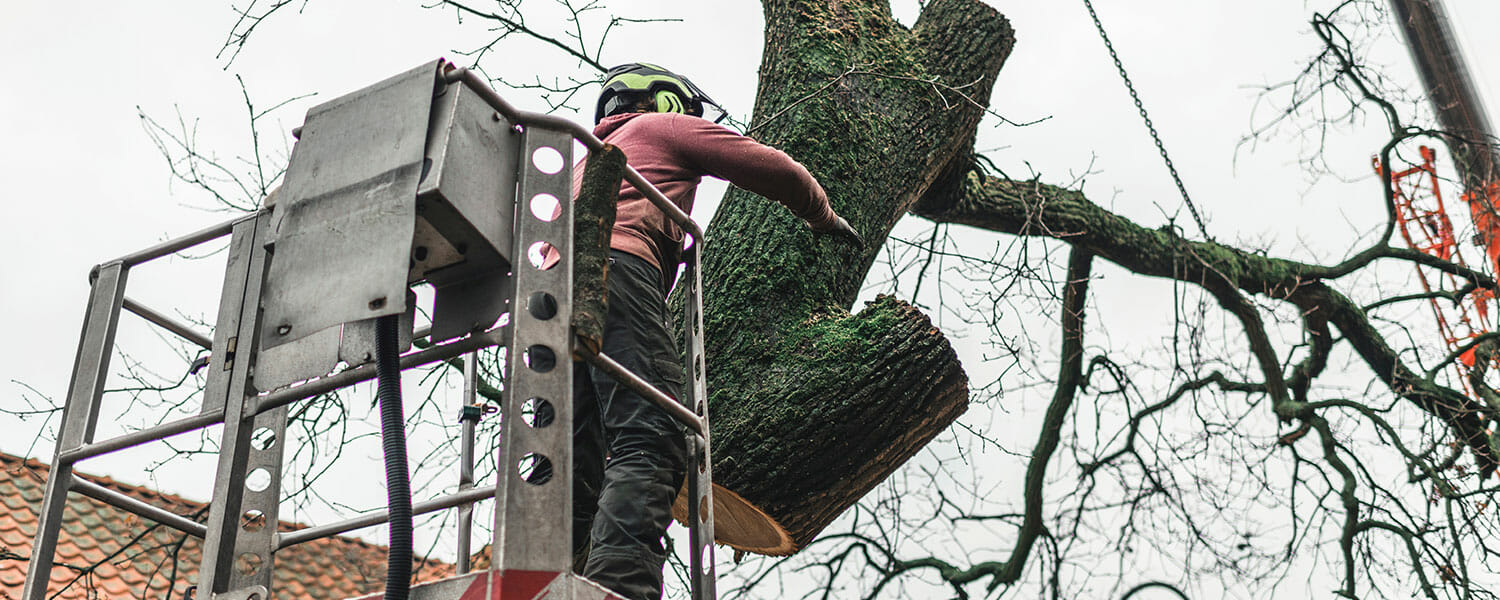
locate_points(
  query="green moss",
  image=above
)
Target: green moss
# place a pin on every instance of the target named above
(844, 92)
(815, 354)
(836, 331)
(849, 104)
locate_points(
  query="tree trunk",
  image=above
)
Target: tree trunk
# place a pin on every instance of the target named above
(811, 406)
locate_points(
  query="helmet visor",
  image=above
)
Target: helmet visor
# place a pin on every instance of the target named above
(711, 110)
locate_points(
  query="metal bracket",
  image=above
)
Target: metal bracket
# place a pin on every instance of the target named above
(250, 593)
(352, 181)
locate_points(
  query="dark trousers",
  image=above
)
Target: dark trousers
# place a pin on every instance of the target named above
(629, 455)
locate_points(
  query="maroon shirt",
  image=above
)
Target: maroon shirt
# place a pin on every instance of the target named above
(673, 152)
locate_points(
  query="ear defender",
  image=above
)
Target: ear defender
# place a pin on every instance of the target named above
(667, 101)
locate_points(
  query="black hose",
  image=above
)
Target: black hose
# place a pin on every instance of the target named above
(1155, 584)
(393, 442)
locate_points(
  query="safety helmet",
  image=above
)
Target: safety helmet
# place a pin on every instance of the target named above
(628, 84)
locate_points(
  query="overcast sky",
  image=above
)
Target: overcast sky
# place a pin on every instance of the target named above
(86, 184)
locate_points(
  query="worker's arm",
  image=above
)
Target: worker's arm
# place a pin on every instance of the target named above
(722, 153)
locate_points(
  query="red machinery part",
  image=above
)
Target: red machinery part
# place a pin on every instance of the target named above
(1423, 221)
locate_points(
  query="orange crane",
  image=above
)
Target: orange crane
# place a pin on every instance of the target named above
(1421, 216)
(1423, 222)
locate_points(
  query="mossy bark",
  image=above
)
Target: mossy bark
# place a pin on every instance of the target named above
(1035, 209)
(885, 117)
(811, 406)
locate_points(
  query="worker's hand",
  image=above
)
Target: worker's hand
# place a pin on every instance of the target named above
(842, 230)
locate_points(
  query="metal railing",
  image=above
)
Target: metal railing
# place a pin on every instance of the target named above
(230, 399)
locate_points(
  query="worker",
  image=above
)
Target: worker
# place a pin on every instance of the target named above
(622, 506)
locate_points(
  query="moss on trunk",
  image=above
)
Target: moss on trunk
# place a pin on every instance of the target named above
(857, 396)
(811, 406)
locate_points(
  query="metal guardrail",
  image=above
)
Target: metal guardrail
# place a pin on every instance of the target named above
(230, 400)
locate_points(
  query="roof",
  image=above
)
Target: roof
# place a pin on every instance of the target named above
(107, 553)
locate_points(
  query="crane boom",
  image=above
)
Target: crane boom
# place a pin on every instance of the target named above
(1418, 202)
(1445, 75)
(1455, 100)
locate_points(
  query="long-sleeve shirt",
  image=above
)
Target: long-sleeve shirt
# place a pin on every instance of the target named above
(673, 152)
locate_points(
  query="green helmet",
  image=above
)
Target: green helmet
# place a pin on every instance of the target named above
(629, 84)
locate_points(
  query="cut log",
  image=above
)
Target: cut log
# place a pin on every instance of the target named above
(847, 401)
(810, 407)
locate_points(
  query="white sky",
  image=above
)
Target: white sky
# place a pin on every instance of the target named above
(85, 183)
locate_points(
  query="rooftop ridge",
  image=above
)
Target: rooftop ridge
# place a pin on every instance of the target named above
(107, 552)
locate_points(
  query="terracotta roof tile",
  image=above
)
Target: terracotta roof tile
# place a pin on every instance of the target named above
(14, 502)
(74, 527)
(66, 552)
(22, 516)
(114, 587)
(14, 537)
(84, 542)
(327, 569)
(107, 572)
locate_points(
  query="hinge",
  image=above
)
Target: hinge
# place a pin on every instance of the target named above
(229, 352)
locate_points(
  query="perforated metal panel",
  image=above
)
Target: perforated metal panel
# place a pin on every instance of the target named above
(700, 464)
(536, 459)
(237, 550)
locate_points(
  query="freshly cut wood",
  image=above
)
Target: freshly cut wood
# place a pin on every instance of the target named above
(740, 525)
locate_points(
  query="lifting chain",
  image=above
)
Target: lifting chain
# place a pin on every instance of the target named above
(1155, 137)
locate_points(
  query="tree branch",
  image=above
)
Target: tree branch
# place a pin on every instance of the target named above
(1031, 208)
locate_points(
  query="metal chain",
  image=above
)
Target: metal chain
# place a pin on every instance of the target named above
(1155, 137)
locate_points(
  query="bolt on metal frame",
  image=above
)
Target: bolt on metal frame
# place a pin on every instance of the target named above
(240, 536)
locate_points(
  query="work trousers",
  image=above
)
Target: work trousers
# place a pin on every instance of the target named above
(629, 455)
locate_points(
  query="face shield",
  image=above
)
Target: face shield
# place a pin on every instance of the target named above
(711, 110)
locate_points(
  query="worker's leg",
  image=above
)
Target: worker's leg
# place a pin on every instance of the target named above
(647, 450)
(588, 460)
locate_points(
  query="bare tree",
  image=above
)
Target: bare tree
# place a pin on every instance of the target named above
(1298, 430)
